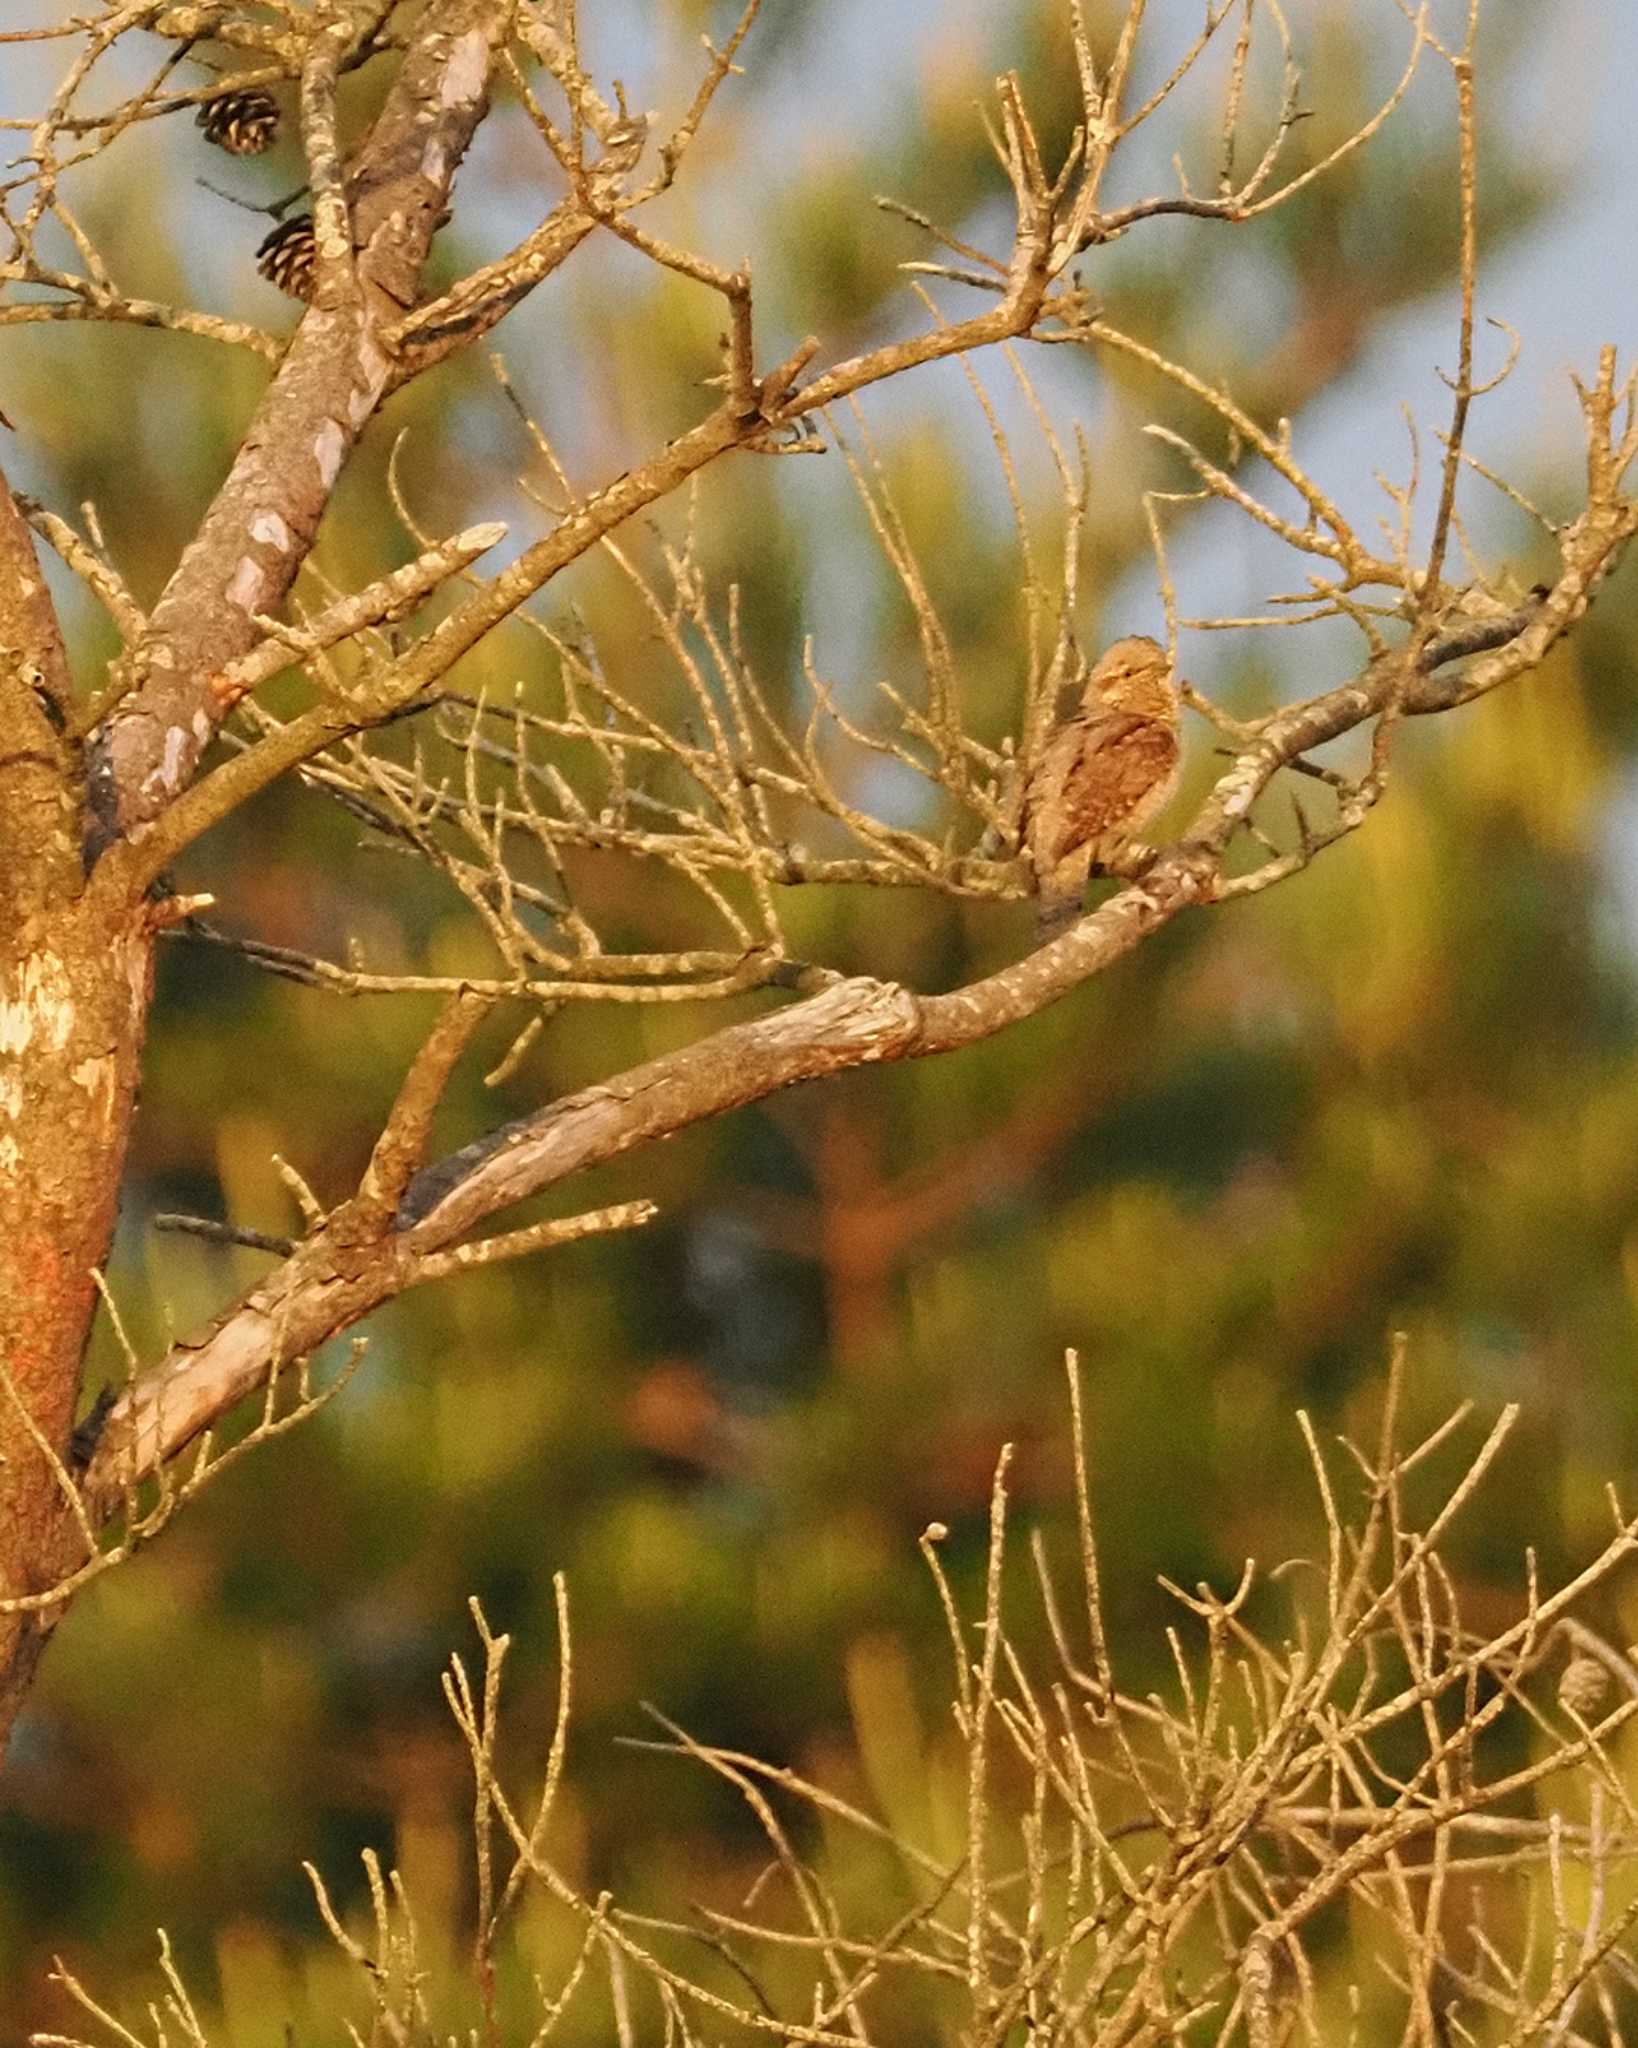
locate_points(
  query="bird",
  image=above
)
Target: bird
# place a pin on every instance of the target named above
(1105, 770)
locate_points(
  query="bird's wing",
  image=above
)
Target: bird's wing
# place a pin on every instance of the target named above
(1095, 777)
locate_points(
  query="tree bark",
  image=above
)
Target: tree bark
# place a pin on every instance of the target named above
(74, 991)
(75, 976)
(261, 523)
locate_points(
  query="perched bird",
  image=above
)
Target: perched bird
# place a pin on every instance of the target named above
(1103, 773)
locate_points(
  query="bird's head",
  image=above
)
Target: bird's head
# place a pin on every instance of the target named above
(1133, 675)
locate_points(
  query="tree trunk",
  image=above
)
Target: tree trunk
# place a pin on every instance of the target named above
(75, 976)
(73, 997)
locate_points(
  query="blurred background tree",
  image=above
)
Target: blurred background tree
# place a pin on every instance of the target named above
(1398, 1093)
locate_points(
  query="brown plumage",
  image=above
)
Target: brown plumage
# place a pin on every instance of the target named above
(1105, 771)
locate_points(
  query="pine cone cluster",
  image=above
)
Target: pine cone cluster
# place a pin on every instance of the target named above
(243, 123)
(287, 257)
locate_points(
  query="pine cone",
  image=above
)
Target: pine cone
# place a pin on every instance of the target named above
(244, 123)
(288, 255)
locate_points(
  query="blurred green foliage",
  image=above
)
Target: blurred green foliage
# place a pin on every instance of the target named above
(1399, 1093)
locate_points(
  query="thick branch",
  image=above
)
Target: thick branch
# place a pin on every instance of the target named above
(261, 523)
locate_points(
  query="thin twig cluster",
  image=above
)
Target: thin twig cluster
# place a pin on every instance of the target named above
(730, 795)
(1348, 1815)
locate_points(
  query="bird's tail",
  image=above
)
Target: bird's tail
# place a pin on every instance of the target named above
(1054, 914)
